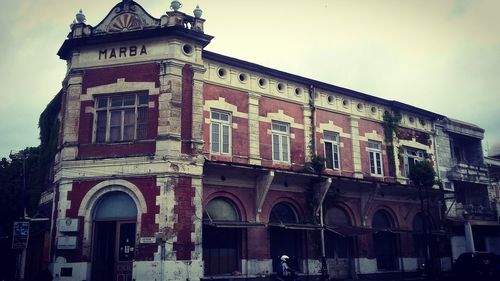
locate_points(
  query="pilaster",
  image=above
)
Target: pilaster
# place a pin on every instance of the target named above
(71, 115)
(356, 148)
(253, 129)
(308, 134)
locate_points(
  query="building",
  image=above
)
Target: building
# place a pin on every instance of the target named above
(176, 163)
(471, 195)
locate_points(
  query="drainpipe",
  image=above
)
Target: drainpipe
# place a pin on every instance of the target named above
(324, 268)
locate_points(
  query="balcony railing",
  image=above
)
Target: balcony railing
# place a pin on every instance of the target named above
(478, 212)
(469, 172)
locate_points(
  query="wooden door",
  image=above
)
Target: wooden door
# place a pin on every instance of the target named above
(125, 250)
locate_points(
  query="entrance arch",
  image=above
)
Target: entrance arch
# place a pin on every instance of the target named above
(221, 245)
(284, 241)
(384, 241)
(114, 219)
(337, 247)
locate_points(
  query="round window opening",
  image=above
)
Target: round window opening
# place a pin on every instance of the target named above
(422, 122)
(345, 103)
(281, 87)
(298, 91)
(243, 77)
(330, 99)
(359, 106)
(262, 82)
(222, 72)
(374, 109)
(188, 49)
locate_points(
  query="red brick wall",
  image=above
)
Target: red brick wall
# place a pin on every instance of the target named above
(234, 97)
(104, 76)
(184, 210)
(149, 190)
(240, 135)
(297, 145)
(148, 72)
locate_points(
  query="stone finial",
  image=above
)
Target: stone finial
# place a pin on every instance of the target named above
(197, 12)
(175, 5)
(80, 17)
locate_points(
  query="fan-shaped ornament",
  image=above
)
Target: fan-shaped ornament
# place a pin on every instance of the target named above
(125, 22)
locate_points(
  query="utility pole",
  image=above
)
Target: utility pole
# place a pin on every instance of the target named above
(21, 265)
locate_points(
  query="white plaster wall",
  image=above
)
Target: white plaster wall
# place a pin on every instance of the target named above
(81, 271)
(446, 264)
(365, 265)
(457, 246)
(313, 265)
(172, 270)
(409, 264)
(256, 266)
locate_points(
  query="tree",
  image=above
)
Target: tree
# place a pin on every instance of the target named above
(423, 174)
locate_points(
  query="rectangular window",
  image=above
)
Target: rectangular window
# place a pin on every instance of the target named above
(332, 150)
(410, 157)
(375, 155)
(281, 141)
(121, 117)
(220, 132)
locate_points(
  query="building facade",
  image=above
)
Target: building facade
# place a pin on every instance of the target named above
(176, 163)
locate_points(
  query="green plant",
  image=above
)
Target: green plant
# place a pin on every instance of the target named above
(423, 174)
(391, 125)
(316, 165)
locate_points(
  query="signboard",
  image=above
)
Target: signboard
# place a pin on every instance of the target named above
(20, 235)
(147, 240)
(66, 242)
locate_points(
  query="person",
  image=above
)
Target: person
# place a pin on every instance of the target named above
(286, 271)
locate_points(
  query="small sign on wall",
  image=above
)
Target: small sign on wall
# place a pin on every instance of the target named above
(68, 225)
(66, 242)
(147, 240)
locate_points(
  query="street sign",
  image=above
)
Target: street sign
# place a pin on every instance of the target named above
(20, 235)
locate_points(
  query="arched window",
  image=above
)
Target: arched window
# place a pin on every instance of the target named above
(115, 205)
(282, 213)
(337, 216)
(220, 209)
(284, 241)
(384, 242)
(382, 220)
(221, 250)
(336, 246)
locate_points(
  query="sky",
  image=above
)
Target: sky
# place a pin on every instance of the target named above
(442, 56)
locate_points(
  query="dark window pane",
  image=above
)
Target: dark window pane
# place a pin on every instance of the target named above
(102, 102)
(143, 99)
(328, 155)
(116, 101)
(129, 100)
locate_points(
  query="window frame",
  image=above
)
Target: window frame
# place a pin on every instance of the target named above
(417, 157)
(335, 142)
(109, 109)
(375, 151)
(221, 123)
(281, 135)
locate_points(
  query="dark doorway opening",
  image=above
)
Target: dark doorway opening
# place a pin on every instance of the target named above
(384, 241)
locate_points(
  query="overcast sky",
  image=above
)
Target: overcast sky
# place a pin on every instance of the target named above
(443, 56)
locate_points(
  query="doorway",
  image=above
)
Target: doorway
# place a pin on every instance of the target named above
(114, 237)
(337, 247)
(284, 241)
(384, 241)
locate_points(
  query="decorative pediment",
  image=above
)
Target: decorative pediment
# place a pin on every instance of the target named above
(126, 16)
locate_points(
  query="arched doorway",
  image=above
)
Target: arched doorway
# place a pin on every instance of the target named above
(384, 241)
(221, 245)
(337, 247)
(284, 241)
(113, 241)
